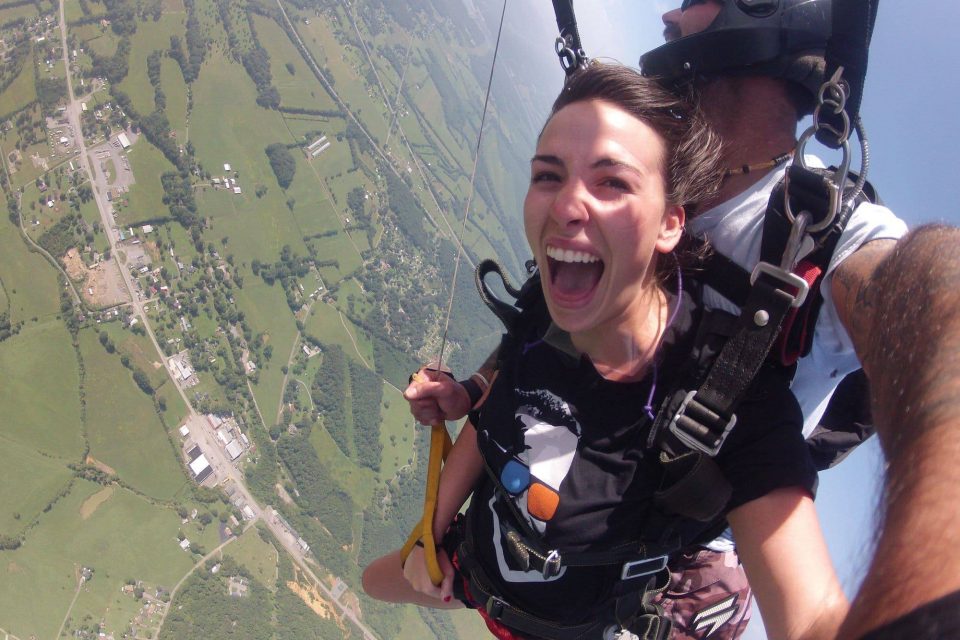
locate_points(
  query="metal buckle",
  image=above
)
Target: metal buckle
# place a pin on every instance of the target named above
(690, 440)
(791, 279)
(551, 565)
(645, 567)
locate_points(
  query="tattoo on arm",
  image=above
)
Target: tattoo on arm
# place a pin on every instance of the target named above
(911, 339)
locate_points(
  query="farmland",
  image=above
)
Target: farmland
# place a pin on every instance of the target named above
(273, 183)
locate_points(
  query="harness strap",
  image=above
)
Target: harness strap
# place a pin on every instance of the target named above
(633, 611)
(706, 415)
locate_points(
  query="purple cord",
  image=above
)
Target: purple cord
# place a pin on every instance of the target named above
(676, 309)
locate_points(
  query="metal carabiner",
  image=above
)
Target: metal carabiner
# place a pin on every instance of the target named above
(837, 180)
(568, 57)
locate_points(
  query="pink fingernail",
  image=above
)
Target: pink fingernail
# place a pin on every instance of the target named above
(446, 598)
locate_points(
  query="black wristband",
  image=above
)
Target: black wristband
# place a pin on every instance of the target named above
(474, 392)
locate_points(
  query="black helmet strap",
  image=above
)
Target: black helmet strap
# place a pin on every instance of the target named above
(848, 47)
(568, 46)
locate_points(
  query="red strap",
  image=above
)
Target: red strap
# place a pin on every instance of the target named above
(790, 348)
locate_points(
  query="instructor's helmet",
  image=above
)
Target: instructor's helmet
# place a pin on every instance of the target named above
(779, 38)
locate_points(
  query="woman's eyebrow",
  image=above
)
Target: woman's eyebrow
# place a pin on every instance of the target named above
(554, 160)
(619, 164)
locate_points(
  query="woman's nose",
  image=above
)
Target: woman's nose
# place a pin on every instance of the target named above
(570, 207)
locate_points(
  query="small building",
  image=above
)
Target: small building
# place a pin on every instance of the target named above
(185, 544)
(123, 140)
(184, 431)
(248, 512)
(226, 166)
(234, 449)
(147, 228)
(199, 465)
(236, 190)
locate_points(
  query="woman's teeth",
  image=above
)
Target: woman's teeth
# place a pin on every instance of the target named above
(568, 255)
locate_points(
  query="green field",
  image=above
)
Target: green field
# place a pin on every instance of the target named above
(27, 11)
(300, 89)
(36, 365)
(125, 537)
(150, 36)
(325, 324)
(124, 430)
(396, 432)
(145, 196)
(28, 481)
(101, 40)
(171, 81)
(21, 91)
(266, 310)
(30, 281)
(256, 555)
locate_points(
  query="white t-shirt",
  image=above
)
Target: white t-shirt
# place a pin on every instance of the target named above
(734, 228)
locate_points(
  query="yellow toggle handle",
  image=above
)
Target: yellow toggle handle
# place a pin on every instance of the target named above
(440, 445)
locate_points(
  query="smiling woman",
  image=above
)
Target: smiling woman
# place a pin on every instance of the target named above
(568, 533)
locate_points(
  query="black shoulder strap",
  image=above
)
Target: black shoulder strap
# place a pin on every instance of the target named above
(701, 418)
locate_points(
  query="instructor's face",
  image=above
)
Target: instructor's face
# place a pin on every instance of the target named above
(692, 17)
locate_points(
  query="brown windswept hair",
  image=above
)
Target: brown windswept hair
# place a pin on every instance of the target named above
(692, 150)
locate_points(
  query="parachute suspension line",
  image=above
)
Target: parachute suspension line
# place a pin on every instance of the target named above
(440, 442)
(470, 192)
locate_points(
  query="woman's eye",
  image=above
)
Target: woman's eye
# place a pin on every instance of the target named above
(544, 176)
(615, 183)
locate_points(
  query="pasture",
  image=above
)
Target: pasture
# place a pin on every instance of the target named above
(150, 36)
(124, 537)
(26, 11)
(22, 91)
(122, 427)
(259, 557)
(266, 310)
(358, 481)
(101, 40)
(396, 432)
(36, 365)
(29, 480)
(171, 81)
(30, 281)
(145, 198)
(325, 324)
(300, 88)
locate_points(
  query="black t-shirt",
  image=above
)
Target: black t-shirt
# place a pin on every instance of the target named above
(570, 448)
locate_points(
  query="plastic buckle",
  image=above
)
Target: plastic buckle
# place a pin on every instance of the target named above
(551, 565)
(785, 277)
(641, 568)
(495, 607)
(690, 439)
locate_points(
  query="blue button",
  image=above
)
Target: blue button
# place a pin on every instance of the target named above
(515, 477)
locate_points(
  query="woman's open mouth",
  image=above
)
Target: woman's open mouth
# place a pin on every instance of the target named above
(573, 275)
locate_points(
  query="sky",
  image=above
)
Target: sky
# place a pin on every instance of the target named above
(912, 90)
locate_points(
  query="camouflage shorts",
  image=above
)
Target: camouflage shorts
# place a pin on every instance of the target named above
(708, 596)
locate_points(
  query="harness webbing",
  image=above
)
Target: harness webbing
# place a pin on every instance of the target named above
(848, 47)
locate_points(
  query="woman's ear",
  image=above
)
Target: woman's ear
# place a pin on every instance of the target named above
(671, 228)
